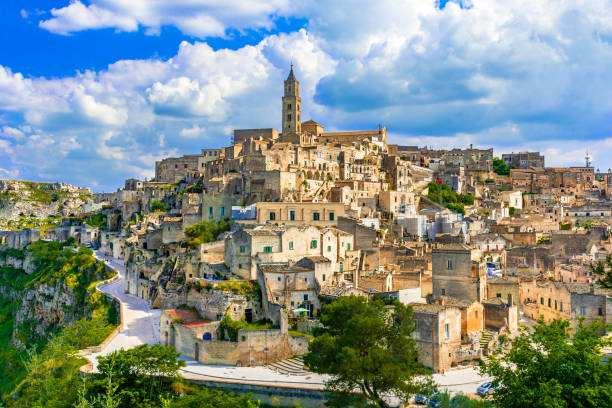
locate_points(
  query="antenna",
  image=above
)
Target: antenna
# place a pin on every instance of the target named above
(588, 158)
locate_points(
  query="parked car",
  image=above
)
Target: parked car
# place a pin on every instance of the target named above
(486, 388)
(420, 399)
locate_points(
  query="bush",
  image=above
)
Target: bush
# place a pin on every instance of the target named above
(206, 231)
(158, 206)
(500, 167)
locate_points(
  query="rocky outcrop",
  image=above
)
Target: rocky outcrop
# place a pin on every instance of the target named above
(19, 199)
(46, 307)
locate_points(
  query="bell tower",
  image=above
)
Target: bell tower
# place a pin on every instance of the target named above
(292, 109)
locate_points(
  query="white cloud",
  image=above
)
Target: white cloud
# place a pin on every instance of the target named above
(193, 132)
(513, 74)
(199, 18)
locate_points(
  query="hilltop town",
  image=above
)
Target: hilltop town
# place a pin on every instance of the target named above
(240, 246)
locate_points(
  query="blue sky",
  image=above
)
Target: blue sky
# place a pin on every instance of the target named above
(93, 92)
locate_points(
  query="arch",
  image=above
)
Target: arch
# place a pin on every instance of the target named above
(207, 336)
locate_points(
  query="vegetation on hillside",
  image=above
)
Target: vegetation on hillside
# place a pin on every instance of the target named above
(206, 231)
(367, 346)
(543, 368)
(442, 193)
(56, 265)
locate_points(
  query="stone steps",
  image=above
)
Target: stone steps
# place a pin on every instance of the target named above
(487, 335)
(291, 366)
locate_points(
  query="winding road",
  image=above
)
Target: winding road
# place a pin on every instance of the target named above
(141, 326)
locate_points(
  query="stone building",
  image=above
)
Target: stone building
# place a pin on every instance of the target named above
(438, 334)
(456, 274)
(309, 213)
(245, 248)
(201, 340)
(524, 160)
(293, 285)
(173, 169)
(554, 300)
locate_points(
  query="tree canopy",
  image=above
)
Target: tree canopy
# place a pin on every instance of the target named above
(206, 231)
(367, 346)
(603, 269)
(543, 368)
(500, 167)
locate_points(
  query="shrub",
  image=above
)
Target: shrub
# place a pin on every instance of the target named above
(158, 206)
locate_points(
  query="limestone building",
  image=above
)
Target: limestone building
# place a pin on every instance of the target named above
(455, 274)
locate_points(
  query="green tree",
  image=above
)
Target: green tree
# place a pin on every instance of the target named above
(141, 375)
(603, 269)
(467, 199)
(158, 206)
(542, 368)
(367, 346)
(500, 167)
(206, 231)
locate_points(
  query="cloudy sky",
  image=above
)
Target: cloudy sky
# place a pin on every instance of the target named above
(94, 91)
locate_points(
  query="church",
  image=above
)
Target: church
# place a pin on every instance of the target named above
(309, 132)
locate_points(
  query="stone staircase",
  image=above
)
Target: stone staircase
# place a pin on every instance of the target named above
(487, 335)
(290, 366)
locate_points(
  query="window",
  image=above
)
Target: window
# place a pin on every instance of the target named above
(276, 298)
(324, 281)
(476, 314)
(239, 266)
(313, 244)
(443, 292)
(561, 306)
(290, 244)
(341, 267)
(329, 248)
(278, 278)
(292, 303)
(292, 215)
(272, 216)
(315, 216)
(541, 300)
(289, 117)
(555, 305)
(210, 211)
(289, 106)
(185, 166)
(305, 298)
(600, 311)
(222, 211)
(446, 330)
(331, 216)
(267, 249)
(548, 302)
(498, 295)
(583, 311)
(306, 280)
(348, 247)
(449, 264)
(242, 249)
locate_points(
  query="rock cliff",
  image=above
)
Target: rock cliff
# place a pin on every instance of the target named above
(25, 203)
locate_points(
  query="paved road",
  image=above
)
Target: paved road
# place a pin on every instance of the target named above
(141, 326)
